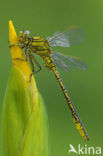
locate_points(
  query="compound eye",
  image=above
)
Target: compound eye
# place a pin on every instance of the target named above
(26, 32)
(20, 33)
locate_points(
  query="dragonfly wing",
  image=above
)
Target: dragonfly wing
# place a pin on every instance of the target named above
(59, 39)
(67, 62)
(60, 62)
(72, 36)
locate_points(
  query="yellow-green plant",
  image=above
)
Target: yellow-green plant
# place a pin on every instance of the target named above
(25, 131)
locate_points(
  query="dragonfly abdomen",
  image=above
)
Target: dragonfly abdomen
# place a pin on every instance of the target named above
(76, 118)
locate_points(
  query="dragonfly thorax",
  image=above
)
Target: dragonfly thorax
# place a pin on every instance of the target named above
(35, 43)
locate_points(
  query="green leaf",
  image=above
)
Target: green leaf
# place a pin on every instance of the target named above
(25, 131)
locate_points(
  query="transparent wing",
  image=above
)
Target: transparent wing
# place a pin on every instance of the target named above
(72, 36)
(67, 62)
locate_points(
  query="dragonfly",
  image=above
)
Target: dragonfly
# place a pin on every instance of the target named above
(43, 47)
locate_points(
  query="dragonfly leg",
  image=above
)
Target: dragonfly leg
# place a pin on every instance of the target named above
(32, 65)
(31, 58)
(16, 44)
(21, 58)
(26, 52)
(36, 64)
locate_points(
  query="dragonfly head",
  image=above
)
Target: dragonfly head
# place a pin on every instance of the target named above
(23, 36)
(26, 32)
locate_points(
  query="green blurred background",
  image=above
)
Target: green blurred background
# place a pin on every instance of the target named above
(44, 17)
